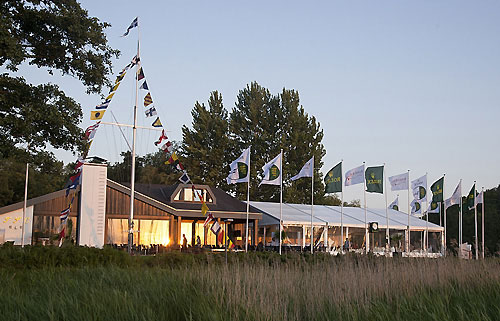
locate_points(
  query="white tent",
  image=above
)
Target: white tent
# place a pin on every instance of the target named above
(300, 214)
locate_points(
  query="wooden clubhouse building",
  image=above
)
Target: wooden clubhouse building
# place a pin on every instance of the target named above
(100, 212)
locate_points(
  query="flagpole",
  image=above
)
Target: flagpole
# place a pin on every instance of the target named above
(408, 244)
(134, 131)
(426, 218)
(24, 204)
(475, 221)
(341, 210)
(387, 232)
(248, 200)
(482, 222)
(367, 244)
(460, 222)
(312, 203)
(281, 195)
(444, 218)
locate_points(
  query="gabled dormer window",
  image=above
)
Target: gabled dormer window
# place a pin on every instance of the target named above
(193, 195)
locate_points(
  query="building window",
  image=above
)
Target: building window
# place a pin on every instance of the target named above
(186, 195)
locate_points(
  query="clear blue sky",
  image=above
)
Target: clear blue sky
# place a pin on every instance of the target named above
(413, 84)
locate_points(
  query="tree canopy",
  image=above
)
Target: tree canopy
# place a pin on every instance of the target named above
(55, 35)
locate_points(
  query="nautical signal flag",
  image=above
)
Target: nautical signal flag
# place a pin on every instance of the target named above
(140, 74)
(90, 131)
(96, 114)
(184, 178)
(208, 219)
(104, 105)
(162, 137)
(115, 87)
(134, 24)
(333, 179)
(144, 85)
(150, 112)
(64, 214)
(204, 209)
(157, 122)
(148, 100)
(375, 179)
(167, 147)
(110, 96)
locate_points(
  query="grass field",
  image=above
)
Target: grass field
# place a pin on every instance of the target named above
(89, 284)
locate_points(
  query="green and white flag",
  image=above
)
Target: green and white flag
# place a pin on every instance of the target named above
(333, 179)
(394, 205)
(240, 172)
(416, 208)
(419, 188)
(399, 182)
(470, 197)
(455, 198)
(434, 208)
(272, 172)
(437, 190)
(375, 179)
(306, 171)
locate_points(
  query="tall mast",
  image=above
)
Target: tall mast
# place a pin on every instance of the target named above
(134, 131)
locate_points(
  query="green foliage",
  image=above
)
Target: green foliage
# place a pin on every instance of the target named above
(205, 147)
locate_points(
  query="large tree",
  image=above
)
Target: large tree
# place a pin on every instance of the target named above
(273, 122)
(206, 145)
(55, 35)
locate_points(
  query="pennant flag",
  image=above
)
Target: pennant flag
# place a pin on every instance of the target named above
(64, 214)
(162, 137)
(167, 147)
(375, 179)
(115, 87)
(140, 74)
(470, 197)
(239, 172)
(272, 172)
(157, 122)
(104, 105)
(184, 178)
(455, 198)
(134, 24)
(208, 219)
(204, 209)
(220, 236)
(419, 188)
(62, 234)
(110, 96)
(79, 163)
(120, 77)
(148, 100)
(480, 198)
(150, 112)
(144, 85)
(96, 114)
(434, 208)
(355, 176)
(437, 190)
(173, 158)
(416, 207)
(306, 171)
(333, 179)
(399, 182)
(90, 131)
(395, 204)
(75, 178)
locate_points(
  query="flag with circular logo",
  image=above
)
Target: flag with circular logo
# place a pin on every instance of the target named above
(239, 169)
(272, 172)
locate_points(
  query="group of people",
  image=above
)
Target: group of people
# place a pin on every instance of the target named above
(185, 242)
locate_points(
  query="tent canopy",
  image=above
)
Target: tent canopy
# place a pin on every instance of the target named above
(300, 214)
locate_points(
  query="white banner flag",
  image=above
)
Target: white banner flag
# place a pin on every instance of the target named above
(240, 170)
(419, 188)
(479, 198)
(455, 198)
(433, 211)
(272, 172)
(399, 182)
(394, 205)
(355, 176)
(306, 171)
(416, 208)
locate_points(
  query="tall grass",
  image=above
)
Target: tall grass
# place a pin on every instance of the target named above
(258, 286)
